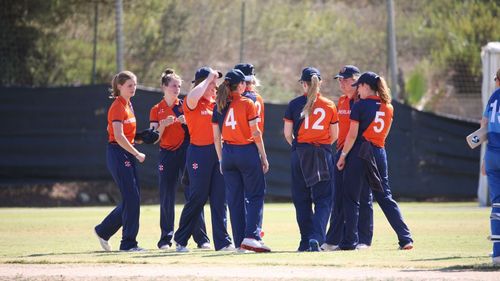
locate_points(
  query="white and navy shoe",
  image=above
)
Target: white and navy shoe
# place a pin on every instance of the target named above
(205, 246)
(104, 243)
(329, 247)
(228, 248)
(362, 246)
(135, 249)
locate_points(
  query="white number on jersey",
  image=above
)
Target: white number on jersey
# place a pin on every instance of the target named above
(494, 112)
(316, 125)
(380, 121)
(230, 121)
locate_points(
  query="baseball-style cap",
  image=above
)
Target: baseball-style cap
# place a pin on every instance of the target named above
(147, 136)
(234, 76)
(203, 73)
(308, 72)
(347, 72)
(370, 78)
(247, 69)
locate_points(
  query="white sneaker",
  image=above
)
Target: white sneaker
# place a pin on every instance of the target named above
(242, 251)
(228, 248)
(181, 249)
(165, 247)
(252, 244)
(205, 246)
(135, 249)
(496, 260)
(104, 243)
(362, 247)
(329, 247)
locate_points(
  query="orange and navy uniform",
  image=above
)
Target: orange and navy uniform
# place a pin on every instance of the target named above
(205, 180)
(259, 104)
(375, 119)
(313, 129)
(312, 166)
(233, 121)
(198, 120)
(344, 112)
(174, 135)
(122, 166)
(245, 190)
(121, 111)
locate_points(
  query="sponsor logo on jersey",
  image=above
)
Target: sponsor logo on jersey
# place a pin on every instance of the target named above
(129, 121)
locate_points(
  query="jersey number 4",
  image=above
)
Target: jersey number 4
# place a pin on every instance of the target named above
(230, 121)
(317, 125)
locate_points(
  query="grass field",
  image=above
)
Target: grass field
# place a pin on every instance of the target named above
(447, 236)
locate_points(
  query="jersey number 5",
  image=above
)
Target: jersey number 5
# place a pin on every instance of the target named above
(230, 121)
(316, 125)
(379, 121)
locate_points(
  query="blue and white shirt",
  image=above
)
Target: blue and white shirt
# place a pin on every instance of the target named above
(492, 113)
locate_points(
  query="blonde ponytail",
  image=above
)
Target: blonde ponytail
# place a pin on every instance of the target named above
(223, 95)
(312, 90)
(383, 90)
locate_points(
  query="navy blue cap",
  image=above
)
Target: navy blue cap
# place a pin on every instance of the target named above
(370, 78)
(235, 76)
(147, 136)
(247, 69)
(308, 72)
(347, 72)
(203, 73)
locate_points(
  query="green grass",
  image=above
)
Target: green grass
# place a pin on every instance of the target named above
(447, 236)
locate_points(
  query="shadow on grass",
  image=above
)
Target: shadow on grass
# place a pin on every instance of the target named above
(97, 253)
(212, 254)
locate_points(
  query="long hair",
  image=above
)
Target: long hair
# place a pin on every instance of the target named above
(313, 89)
(120, 79)
(169, 75)
(223, 93)
(383, 90)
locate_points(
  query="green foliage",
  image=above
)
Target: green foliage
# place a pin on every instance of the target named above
(50, 42)
(416, 86)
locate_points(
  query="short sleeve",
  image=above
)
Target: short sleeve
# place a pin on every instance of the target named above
(335, 116)
(117, 114)
(251, 111)
(289, 113)
(153, 115)
(215, 116)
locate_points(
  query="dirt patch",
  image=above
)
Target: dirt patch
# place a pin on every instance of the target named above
(230, 272)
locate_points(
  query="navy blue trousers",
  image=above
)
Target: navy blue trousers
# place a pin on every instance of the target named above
(245, 187)
(171, 165)
(205, 181)
(312, 223)
(365, 223)
(387, 203)
(122, 166)
(492, 163)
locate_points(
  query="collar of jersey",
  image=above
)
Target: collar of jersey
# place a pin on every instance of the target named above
(176, 102)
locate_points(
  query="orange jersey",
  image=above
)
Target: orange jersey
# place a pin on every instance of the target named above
(121, 111)
(344, 110)
(375, 119)
(233, 121)
(259, 105)
(198, 120)
(173, 135)
(314, 129)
